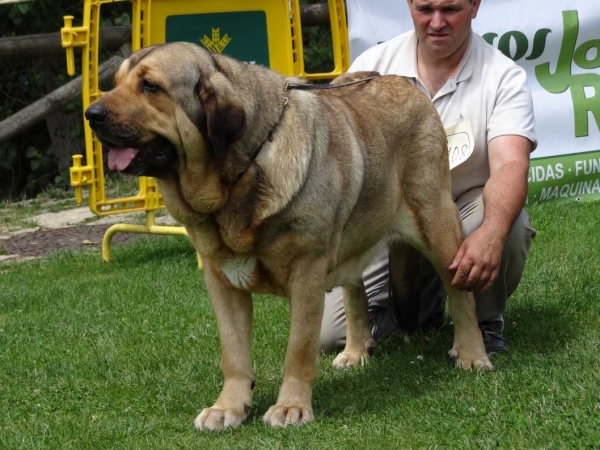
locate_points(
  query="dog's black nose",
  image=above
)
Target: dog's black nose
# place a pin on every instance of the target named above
(96, 113)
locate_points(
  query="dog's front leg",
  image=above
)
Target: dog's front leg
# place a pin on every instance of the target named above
(306, 292)
(233, 309)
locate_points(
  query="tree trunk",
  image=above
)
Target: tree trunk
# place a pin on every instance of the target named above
(62, 123)
(314, 15)
(49, 44)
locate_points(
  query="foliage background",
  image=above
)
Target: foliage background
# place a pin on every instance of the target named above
(40, 157)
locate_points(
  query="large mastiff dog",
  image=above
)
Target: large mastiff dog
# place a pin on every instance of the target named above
(289, 192)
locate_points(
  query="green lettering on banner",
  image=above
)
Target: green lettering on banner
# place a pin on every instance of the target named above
(521, 43)
(563, 78)
(565, 177)
(539, 43)
(241, 35)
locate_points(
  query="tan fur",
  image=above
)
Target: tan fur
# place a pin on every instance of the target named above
(337, 173)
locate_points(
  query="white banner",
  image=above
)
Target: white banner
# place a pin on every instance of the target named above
(558, 44)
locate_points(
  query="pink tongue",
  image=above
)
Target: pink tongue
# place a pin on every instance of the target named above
(120, 158)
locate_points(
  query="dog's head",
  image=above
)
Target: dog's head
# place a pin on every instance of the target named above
(167, 100)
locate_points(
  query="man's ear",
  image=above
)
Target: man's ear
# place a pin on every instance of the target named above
(225, 116)
(476, 5)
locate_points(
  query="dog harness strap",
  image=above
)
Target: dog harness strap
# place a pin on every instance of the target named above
(289, 87)
(269, 138)
(308, 87)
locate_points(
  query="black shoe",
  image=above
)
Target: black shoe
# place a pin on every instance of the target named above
(493, 340)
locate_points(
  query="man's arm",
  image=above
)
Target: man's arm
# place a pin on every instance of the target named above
(479, 257)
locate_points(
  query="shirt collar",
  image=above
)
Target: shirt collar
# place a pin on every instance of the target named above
(408, 68)
(465, 67)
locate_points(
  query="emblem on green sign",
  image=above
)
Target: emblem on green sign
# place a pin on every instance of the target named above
(217, 44)
(241, 34)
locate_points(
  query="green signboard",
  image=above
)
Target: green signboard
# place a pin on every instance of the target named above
(565, 177)
(241, 35)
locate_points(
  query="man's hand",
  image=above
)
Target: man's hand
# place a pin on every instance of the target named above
(478, 259)
(477, 262)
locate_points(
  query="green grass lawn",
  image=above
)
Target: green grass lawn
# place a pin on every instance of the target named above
(124, 355)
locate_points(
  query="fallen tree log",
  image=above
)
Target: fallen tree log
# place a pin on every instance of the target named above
(61, 97)
(316, 14)
(49, 44)
(111, 38)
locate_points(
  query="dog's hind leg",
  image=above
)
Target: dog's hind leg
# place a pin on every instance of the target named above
(233, 309)
(359, 341)
(439, 239)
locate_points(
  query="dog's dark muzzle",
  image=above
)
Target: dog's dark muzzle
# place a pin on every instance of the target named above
(155, 158)
(96, 115)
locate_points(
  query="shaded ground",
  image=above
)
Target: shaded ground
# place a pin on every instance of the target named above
(67, 230)
(42, 242)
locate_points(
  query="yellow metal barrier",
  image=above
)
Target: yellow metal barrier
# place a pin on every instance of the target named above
(266, 32)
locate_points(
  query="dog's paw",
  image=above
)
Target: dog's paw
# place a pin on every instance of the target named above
(288, 415)
(354, 356)
(481, 363)
(348, 359)
(217, 419)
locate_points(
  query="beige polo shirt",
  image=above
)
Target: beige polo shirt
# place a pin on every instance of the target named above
(488, 89)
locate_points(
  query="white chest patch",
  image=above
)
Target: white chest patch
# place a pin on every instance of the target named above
(240, 270)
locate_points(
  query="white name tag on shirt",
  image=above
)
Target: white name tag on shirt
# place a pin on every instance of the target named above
(460, 143)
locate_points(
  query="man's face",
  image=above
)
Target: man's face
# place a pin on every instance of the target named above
(443, 26)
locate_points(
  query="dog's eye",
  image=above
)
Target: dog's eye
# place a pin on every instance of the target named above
(149, 86)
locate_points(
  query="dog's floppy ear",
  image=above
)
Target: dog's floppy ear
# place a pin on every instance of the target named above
(225, 116)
